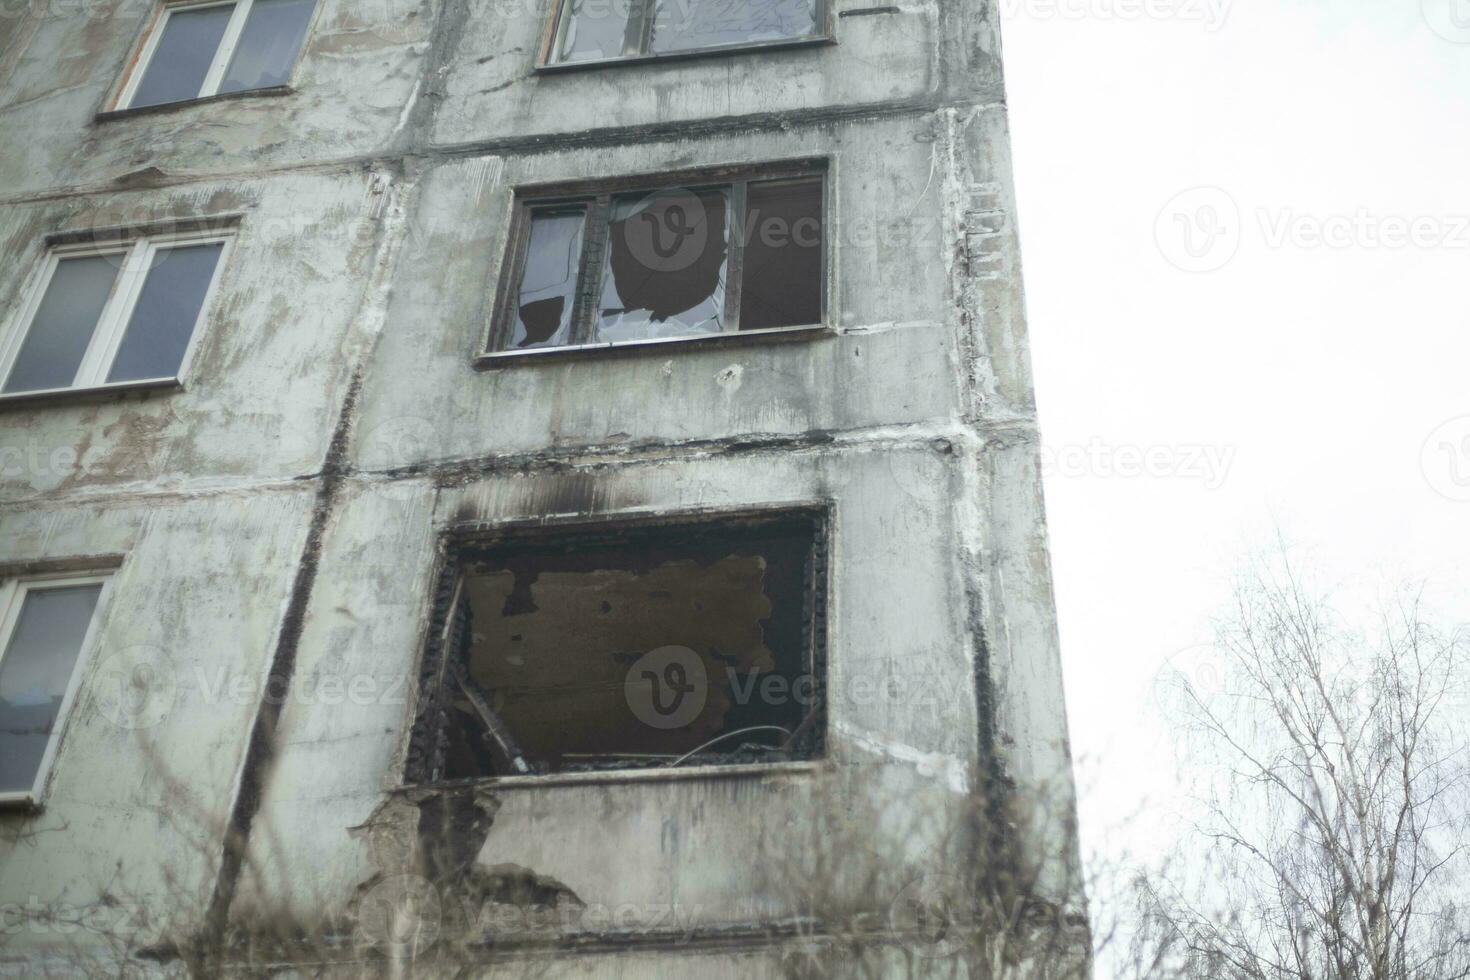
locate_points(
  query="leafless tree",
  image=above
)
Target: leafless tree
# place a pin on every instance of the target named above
(1332, 839)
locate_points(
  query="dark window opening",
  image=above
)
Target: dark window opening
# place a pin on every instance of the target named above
(650, 646)
(619, 263)
(781, 284)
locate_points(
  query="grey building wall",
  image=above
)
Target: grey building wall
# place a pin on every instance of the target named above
(282, 515)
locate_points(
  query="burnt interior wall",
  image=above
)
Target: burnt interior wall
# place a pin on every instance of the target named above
(555, 628)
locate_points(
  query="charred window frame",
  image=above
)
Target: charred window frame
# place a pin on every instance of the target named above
(577, 221)
(593, 33)
(594, 699)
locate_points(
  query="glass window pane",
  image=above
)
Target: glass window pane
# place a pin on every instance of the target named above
(666, 262)
(594, 29)
(549, 279)
(182, 58)
(268, 45)
(781, 277)
(168, 307)
(35, 673)
(64, 323)
(680, 25)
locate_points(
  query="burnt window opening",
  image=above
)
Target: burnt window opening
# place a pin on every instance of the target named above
(591, 31)
(650, 646)
(628, 261)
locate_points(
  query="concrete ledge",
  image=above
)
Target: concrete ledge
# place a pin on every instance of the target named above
(273, 91)
(558, 67)
(141, 389)
(615, 777)
(506, 358)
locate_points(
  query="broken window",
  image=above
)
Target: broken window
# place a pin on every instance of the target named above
(45, 624)
(123, 312)
(619, 262)
(549, 279)
(667, 257)
(201, 49)
(599, 30)
(645, 647)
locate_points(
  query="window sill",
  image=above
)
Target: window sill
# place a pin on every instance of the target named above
(274, 91)
(532, 355)
(143, 389)
(615, 777)
(20, 802)
(814, 41)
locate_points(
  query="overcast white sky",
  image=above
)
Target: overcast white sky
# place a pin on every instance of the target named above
(1309, 370)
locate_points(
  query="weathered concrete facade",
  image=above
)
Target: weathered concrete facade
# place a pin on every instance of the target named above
(278, 523)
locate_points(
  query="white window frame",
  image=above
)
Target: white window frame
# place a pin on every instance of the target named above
(212, 79)
(107, 335)
(12, 599)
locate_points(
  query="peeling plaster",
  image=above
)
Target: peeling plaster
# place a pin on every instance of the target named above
(335, 430)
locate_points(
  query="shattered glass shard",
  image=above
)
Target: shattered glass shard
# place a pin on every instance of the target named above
(549, 279)
(666, 266)
(593, 30)
(683, 25)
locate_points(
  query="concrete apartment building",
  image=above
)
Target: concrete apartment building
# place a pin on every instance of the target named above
(543, 484)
